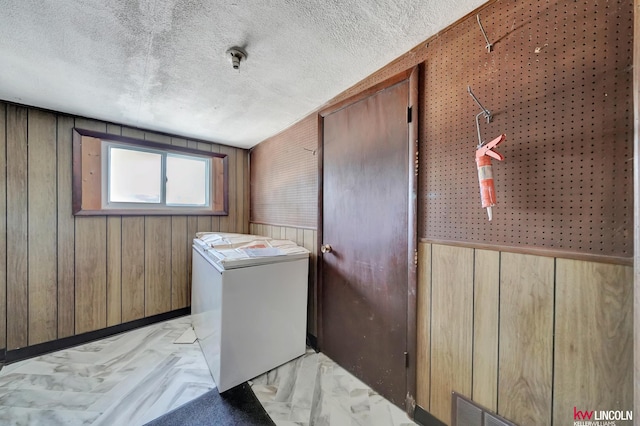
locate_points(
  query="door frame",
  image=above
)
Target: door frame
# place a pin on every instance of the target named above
(412, 75)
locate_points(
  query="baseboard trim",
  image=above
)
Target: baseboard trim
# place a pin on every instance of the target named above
(425, 418)
(8, 357)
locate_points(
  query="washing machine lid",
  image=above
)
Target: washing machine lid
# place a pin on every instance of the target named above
(230, 251)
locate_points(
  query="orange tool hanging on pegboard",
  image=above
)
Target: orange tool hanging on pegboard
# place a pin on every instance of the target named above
(485, 172)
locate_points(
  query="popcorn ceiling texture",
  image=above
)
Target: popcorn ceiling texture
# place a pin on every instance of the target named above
(161, 65)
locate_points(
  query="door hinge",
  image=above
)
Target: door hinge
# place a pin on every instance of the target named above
(415, 257)
(409, 114)
(406, 359)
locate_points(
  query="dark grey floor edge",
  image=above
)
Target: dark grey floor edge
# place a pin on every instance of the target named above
(237, 406)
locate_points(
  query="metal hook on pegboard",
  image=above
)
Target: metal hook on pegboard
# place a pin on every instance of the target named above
(489, 45)
(485, 112)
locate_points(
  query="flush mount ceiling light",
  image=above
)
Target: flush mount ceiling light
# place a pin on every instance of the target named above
(236, 54)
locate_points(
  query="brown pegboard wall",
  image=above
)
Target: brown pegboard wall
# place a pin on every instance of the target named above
(284, 177)
(559, 84)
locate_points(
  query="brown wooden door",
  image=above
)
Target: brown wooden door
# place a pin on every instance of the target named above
(365, 220)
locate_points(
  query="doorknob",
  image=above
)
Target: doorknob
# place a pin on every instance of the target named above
(325, 248)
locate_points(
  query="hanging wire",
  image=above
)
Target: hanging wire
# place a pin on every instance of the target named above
(485, 112)
(489, 45)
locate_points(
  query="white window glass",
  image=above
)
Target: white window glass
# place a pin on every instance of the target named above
(134, 176)
(187, 180)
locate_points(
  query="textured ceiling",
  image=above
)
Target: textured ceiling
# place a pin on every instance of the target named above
(161, 64)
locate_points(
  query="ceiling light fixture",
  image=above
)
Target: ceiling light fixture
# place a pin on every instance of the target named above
(236, 54)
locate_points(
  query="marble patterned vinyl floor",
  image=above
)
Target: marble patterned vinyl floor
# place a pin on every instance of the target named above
(134, 377)
(126, 379)
(315, 391)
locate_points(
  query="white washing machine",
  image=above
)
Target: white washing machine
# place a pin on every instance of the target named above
(248, 304)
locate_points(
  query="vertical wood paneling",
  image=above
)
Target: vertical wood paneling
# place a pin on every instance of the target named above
(451, 326)
(240, 206)
(179, 142)
(228, 222)
(179, 286)
(205, 223)
(42, 225)
(132, 268)
(526, 338)
(192, 227)
(247, 190)
(66, 231)
(290, 234)
(308, 238)
(157, 137)
(64, 275)
(593, 338)
(133, 256)
(132, 133)
(486, 307)
(3, 226)
(423, 368)
(114, 129)
(17, 228)
(180, 254)
(90, 262)
(157, 276)
(215, 220)
(114, 259)
(114, 270)
(314, 266)
(91, 274)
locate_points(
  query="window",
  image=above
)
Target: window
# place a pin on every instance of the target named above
(136, 177)
(119, 175)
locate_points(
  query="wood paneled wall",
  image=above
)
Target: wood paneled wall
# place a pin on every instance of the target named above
(526, 336)
(64, 275)
(307, 238)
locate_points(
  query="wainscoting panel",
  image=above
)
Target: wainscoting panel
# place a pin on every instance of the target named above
(526, 338)
(114, 270)
(451, 326)
(564, 329)
(157, 265)
(593, 355)
(132, 268)
(486, 317)
(424, 327)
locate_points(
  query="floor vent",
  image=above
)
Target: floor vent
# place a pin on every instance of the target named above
(465, 412)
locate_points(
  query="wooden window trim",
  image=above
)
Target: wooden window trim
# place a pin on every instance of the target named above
(87, 177)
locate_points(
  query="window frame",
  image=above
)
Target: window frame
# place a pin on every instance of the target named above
(90, 157)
